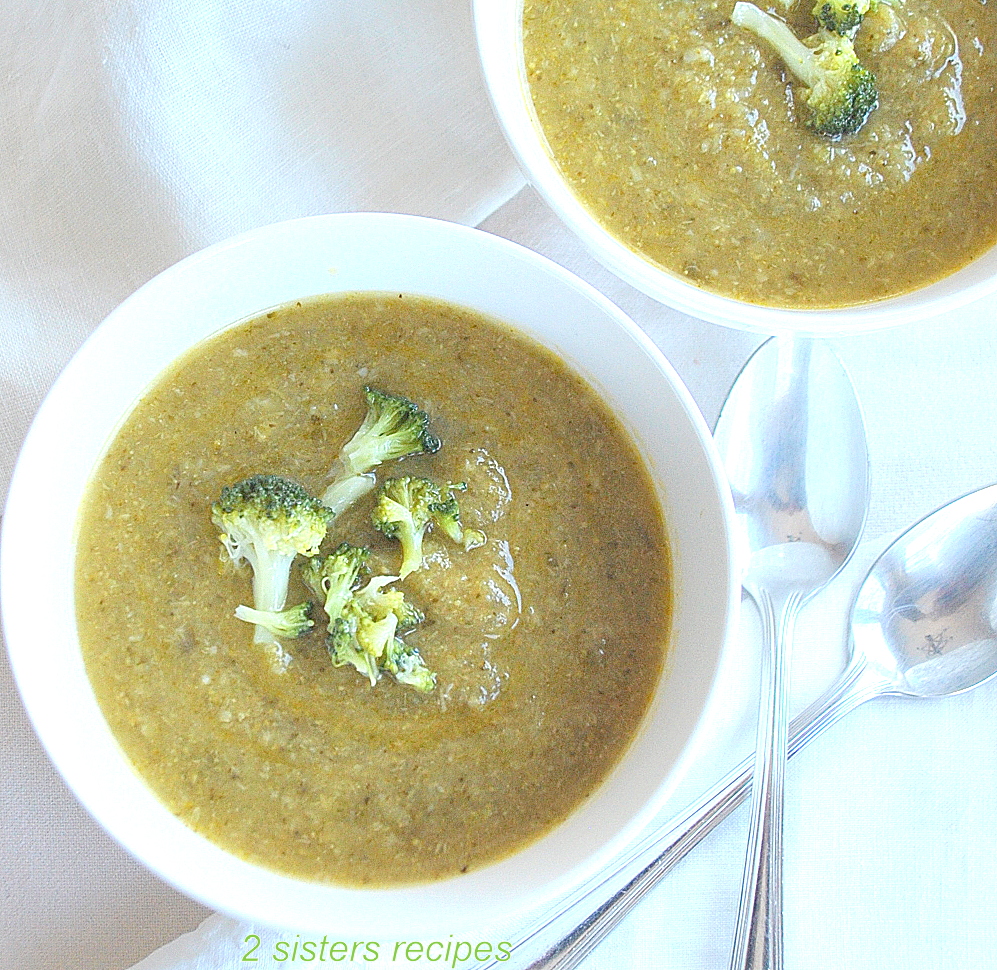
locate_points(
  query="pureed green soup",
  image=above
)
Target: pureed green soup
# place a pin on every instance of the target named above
(680, 132)
(547, 641)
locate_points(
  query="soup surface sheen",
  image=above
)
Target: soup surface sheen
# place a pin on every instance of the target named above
(547, 641)
(678, 130)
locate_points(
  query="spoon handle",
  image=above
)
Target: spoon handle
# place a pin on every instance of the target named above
(856, 685)
(758, 932)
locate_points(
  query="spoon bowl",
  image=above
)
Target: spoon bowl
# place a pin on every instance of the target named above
(793, 444)
(925, 619)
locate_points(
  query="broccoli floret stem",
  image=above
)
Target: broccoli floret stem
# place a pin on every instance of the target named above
(346, 490)
(794, 53)
(289, 624)
(409, 535)
(271, 575)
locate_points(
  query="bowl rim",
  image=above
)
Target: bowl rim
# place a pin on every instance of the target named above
(500, 51)
(180, 856)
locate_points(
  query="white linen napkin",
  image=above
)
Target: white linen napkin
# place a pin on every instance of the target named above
(139, 131)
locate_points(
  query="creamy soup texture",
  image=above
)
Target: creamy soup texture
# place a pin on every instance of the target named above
(547, 641)
(678, 130)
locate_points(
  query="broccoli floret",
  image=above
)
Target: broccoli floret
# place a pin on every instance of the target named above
(379, 601)
(333, 577)
(267, 521)
(403, 512)
(362, 622)
(372, 634)
(406, 665)
(365, 636)
(840, 94)
(446, 515)
(380, 614)
(345, 649)
(842, 16)
(288, 624)
(407, 507)
(394, 427)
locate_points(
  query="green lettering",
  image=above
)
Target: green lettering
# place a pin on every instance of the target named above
(247, 956)
(457, 957)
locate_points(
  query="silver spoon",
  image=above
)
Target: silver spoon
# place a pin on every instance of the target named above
(923, 624)
(793, 445)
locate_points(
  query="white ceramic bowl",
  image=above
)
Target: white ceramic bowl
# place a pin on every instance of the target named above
(499, 35)
(241, 278)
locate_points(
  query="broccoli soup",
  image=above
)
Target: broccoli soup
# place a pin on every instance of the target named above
(400, 729)
(679, 126)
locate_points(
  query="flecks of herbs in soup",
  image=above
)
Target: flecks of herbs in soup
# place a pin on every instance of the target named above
(546, 641)
(685, 137)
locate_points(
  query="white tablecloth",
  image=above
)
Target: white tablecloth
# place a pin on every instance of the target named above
(137, 131)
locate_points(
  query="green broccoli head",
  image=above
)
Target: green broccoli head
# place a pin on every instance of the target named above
(345, 649)
(333, 577)
(406, 665)
(267, 520)
(407, 507)
(287, 624)
(394, 427)
(271, 512)
(841, 94)
(841, 16)
(403, 511)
